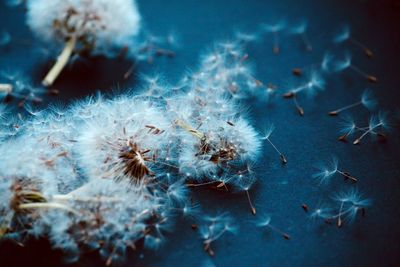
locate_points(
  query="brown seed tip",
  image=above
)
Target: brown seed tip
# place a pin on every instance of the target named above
(372, 79)
(368, 53)
(357, 141)
(288, 95)
(339, 223)
(54, 92)
(297, 71)
(194, 226)
(305, 207)
(276, 50)
(283, 159)
(301, 111)
(253, 210)
(343, 138)
(333, 113)
(286, 236)
(221, 185)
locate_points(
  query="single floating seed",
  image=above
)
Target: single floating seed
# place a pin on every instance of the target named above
(372, 79)
(305, 207)
(297, 71)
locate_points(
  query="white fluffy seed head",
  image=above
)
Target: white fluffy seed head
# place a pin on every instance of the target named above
(97, 24)
(129, 139)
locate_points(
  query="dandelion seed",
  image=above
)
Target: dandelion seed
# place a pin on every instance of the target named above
(275, 30)
(346, 63)
(376, 123)
(351, 202)
(297, 71)
(366, 100)
(301, 30)
(265, 222)
(345, 35)
(326, 172)
(266, 136)
(305, 207)
(252, 208)
(83, 25)
(315, 83)
(213, 228)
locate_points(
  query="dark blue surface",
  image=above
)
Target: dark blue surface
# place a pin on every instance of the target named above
(306, 141)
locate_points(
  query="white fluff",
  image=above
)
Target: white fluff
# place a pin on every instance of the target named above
(107, 23)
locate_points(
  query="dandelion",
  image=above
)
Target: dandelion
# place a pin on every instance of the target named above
(130, 142)
(267, 135)
(340, 64)
(367, 100)
(326, 172)
(345, 35)
(213, 228)
(377, 124)
(314, 84)
(92, 26)
(265, 222)
(351, 203)
(348, 204)
(275, 30)
(301, 30)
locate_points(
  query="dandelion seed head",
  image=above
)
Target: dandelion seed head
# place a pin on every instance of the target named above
(97, 24)
(126, 141)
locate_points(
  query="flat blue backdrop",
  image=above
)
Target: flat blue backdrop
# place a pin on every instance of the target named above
(370, 241)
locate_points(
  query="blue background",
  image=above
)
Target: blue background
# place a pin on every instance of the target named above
(306, 141)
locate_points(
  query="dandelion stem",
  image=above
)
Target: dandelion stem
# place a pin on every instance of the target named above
(62, 60)
(188, 128)
(339, 222)
(306, 42)
(345, 174)
(6, 88)
(215, 237)
(201, 184)
(85, 199)
(276, 48)
(358, 140)
(298, 107)
(47, 205)
(283, 158)
(273, 228)
(337, 111)
(367, 51)
(370, 78)
(253, 209)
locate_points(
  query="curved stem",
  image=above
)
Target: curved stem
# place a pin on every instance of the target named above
(46, 205)
(62, 60)
(6, 88)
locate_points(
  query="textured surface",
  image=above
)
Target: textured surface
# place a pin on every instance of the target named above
(371, 241)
